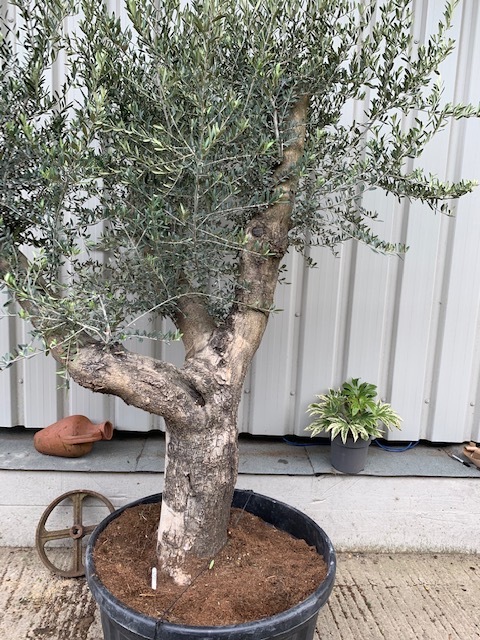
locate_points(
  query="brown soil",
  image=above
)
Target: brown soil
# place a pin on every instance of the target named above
(260, 572)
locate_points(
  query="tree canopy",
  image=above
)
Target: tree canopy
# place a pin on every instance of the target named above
(141, 183)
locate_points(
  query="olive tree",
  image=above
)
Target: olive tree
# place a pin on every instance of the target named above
(189, 148)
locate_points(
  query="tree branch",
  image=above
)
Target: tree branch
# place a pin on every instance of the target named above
(259, 274)
(194, 322)
(152, 385)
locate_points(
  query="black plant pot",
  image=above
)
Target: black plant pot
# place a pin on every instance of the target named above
(298, 623)
(349, 457)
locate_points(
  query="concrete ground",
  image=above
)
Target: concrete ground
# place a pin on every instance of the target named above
(376, 597)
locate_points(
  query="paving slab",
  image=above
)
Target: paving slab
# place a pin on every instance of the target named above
(376, 597)
(278, 457)
(17, 452)
(419, 462)
(152, 456)
(36, 605)
(403, 597)
(145, 452)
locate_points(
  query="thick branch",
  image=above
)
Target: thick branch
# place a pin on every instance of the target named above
(259, 274)
(152, 385)
(194, 322)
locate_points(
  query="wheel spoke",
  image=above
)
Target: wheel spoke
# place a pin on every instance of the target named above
(58, 534)
(88, 529)
(77, 500)
(77, 564)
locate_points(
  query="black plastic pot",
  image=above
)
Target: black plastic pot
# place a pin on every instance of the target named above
(349, 457)
(298, 623)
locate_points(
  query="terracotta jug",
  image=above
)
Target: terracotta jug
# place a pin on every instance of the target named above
(71, 437)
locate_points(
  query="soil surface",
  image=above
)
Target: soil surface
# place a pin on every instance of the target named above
(261, 571)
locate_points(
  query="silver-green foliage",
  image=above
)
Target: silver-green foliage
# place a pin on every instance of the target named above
(134, 184)
(352, 411)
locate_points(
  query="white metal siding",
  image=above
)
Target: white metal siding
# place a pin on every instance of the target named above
(409, 325)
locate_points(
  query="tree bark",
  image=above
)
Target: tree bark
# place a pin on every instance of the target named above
(201, 471)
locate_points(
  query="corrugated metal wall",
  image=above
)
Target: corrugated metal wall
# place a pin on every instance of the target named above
(409, 325)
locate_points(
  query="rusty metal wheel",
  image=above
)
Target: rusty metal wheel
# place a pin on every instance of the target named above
(76, 532)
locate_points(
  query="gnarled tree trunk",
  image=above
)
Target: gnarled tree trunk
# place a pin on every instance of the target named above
(201, 471)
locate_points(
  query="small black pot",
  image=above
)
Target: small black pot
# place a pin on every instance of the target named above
(298, 623)
(349, 457)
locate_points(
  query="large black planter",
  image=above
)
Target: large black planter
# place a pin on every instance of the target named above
(122, 623)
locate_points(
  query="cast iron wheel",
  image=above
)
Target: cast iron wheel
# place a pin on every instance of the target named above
(76, 532)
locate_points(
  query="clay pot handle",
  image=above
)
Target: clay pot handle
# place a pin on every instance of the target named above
(81, 439)
(104, 431)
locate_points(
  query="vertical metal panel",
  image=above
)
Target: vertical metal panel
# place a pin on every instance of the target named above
(7, 378)
(410, 325)
(37, 390)
(272, 383)
(458, 357)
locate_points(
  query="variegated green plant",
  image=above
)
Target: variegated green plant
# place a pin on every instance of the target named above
(352, 411)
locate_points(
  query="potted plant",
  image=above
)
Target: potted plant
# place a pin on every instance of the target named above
(187, 149)
(353, 417)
